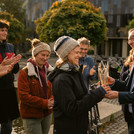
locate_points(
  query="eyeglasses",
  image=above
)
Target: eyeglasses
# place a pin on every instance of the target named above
(131, 40)
(84, 49)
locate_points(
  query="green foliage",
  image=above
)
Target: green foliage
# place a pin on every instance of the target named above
(131, 24)
(16, 29)
(75, 18)
(13, 7)
(112, 118)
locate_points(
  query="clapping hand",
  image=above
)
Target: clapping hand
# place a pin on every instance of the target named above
(92, 71)
(5, 69)
(7, 64)
(13, 60)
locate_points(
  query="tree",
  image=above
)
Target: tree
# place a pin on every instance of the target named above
(131, 24)
(14, 7)
(16, 30)
(75, 18)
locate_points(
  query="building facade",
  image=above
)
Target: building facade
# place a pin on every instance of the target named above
(117, 14)
(35, 9)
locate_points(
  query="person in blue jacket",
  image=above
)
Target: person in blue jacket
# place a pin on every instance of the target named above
(89, 72)
(125, 90)
(8, 100)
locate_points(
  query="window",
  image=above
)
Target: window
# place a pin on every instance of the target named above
(106, 5)
(118, 21)
(110, 19)
(119, 4)
(115, 2)
(102, 7)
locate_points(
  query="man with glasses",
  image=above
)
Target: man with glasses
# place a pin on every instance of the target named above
(125, 90)
(87, 62)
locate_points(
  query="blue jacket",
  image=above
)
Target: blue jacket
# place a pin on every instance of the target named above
(88, 61)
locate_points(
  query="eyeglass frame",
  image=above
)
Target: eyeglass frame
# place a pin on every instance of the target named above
(131, 39)
(84, 49)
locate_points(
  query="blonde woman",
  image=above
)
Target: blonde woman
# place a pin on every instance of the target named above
(71, 98)
(127, 65)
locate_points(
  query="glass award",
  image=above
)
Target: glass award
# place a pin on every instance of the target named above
(103, 71)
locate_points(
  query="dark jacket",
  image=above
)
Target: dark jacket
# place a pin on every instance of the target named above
(125, 96)
(8, 99)
(6, 81)
(71, 101)
(124, 72)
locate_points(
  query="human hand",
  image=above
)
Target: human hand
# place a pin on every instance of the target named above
(84, 66)
(106, 88)
(92, 71)
(110, 80)
(50, 103)
(13, 60)
(5, 69)
(112, 94)
(17, 58)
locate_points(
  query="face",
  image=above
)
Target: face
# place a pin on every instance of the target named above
(131, 39)
(83, 49)
(41, 58)
(3, 34)
(74, 56)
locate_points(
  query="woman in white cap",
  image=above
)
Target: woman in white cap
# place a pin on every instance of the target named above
(71, 99)
(34, 89)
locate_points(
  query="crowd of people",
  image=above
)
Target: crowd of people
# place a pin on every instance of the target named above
(62, 90)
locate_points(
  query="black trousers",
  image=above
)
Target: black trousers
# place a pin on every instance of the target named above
(131, 127)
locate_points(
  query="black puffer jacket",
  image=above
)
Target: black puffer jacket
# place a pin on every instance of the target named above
(71, 101)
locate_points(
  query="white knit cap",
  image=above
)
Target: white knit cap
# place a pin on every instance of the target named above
(64, 45)
(40, 47)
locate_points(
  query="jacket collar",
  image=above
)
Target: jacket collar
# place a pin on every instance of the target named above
(31, 70)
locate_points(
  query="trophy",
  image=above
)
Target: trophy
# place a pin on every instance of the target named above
(103, 71)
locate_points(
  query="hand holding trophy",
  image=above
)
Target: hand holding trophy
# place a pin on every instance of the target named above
(103, 71)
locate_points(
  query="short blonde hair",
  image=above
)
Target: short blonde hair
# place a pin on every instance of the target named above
(130, 30)
(84, 40)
